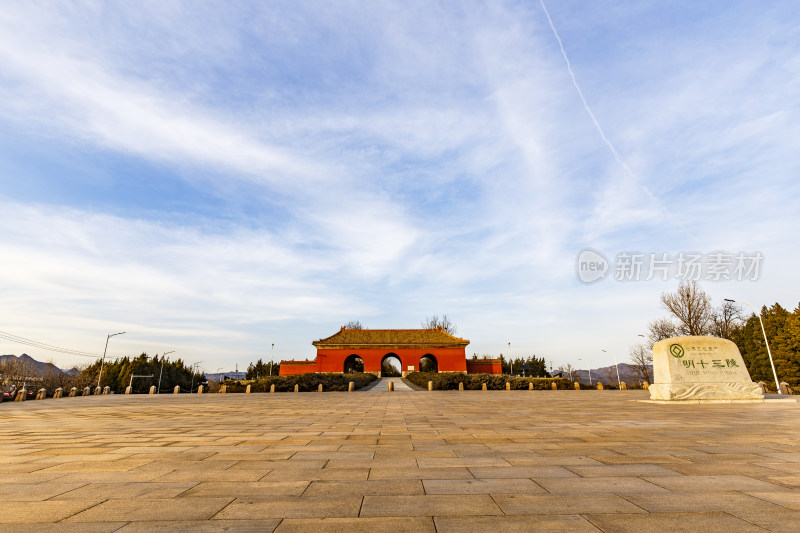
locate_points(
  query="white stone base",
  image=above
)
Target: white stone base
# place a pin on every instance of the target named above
(705, 391)
(705, 402)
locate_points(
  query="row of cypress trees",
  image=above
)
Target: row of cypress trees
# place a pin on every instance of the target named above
(117, 374)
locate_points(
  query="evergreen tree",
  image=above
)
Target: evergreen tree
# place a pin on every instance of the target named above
(783, 333)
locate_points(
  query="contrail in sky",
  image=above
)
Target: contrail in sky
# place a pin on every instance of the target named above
(600, 129)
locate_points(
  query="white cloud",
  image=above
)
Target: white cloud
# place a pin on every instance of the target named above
(421, 156)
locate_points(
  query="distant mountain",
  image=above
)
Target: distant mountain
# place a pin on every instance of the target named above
(37, 366)
(226, 375)
(608, 374)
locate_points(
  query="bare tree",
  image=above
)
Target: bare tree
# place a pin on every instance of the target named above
(642, 358)
(18, 372)
(691, 306)
(660, 329)
(353, 324)
(725, 319)
(443, 323)
(567, 371)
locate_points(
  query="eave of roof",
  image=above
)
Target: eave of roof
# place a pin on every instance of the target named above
(390, 337)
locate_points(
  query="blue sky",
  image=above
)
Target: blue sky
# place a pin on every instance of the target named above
(215, 177)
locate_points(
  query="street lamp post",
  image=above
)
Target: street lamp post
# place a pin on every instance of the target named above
(104, 355)
(646, 373)
(590, 373)
(619, 381)
(191, 388)
(272, 359)
(510, 360)
(774, 374)
(162, 369)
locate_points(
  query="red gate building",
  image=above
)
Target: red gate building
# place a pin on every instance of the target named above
(433, 348)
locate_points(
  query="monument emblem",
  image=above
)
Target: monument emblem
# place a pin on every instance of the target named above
(676, 350)
(700, 368)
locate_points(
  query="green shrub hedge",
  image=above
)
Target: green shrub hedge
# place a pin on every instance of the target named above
(306, 382)
(450, 381)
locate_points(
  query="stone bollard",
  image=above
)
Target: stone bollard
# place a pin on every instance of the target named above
(785, 389)
(554, 386)
(176, 390)
(41, 394)
(508, 385)
(21, 396)
(247, 390)
(530, 385)
(350, 387)
(152, 389)
(98, 391)
(460, 385)
(297, 388)
(73, 392)
(577, 386)
(58, 393)
(319, 389)
(646, 385)
(87, 391)
(272, 388)
(106, 390)
(430, 385)
(404, 374)
(599, 385)
(223, 389)
(391, 386)
(128, 390)
(763, 386)
(623, 385)
(483, 386)
(199, 389)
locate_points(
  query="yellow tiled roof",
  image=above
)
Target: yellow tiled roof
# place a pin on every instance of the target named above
(390, 337)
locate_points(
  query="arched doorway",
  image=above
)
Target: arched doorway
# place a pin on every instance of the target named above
(352, 364)
(391, 366)
(428, 363)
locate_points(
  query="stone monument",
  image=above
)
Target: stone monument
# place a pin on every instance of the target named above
(700, 368)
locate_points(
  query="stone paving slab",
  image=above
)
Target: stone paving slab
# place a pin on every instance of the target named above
(672, 522)
(402, 461)
(512, 524)
(358, 525)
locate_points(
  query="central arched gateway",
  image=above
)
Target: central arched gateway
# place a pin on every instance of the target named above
(391, 366)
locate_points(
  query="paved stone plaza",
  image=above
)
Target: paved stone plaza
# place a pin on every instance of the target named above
(398, 461)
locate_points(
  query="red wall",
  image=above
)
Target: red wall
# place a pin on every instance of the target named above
(484, 366)
(291, 368)
(447, 359)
